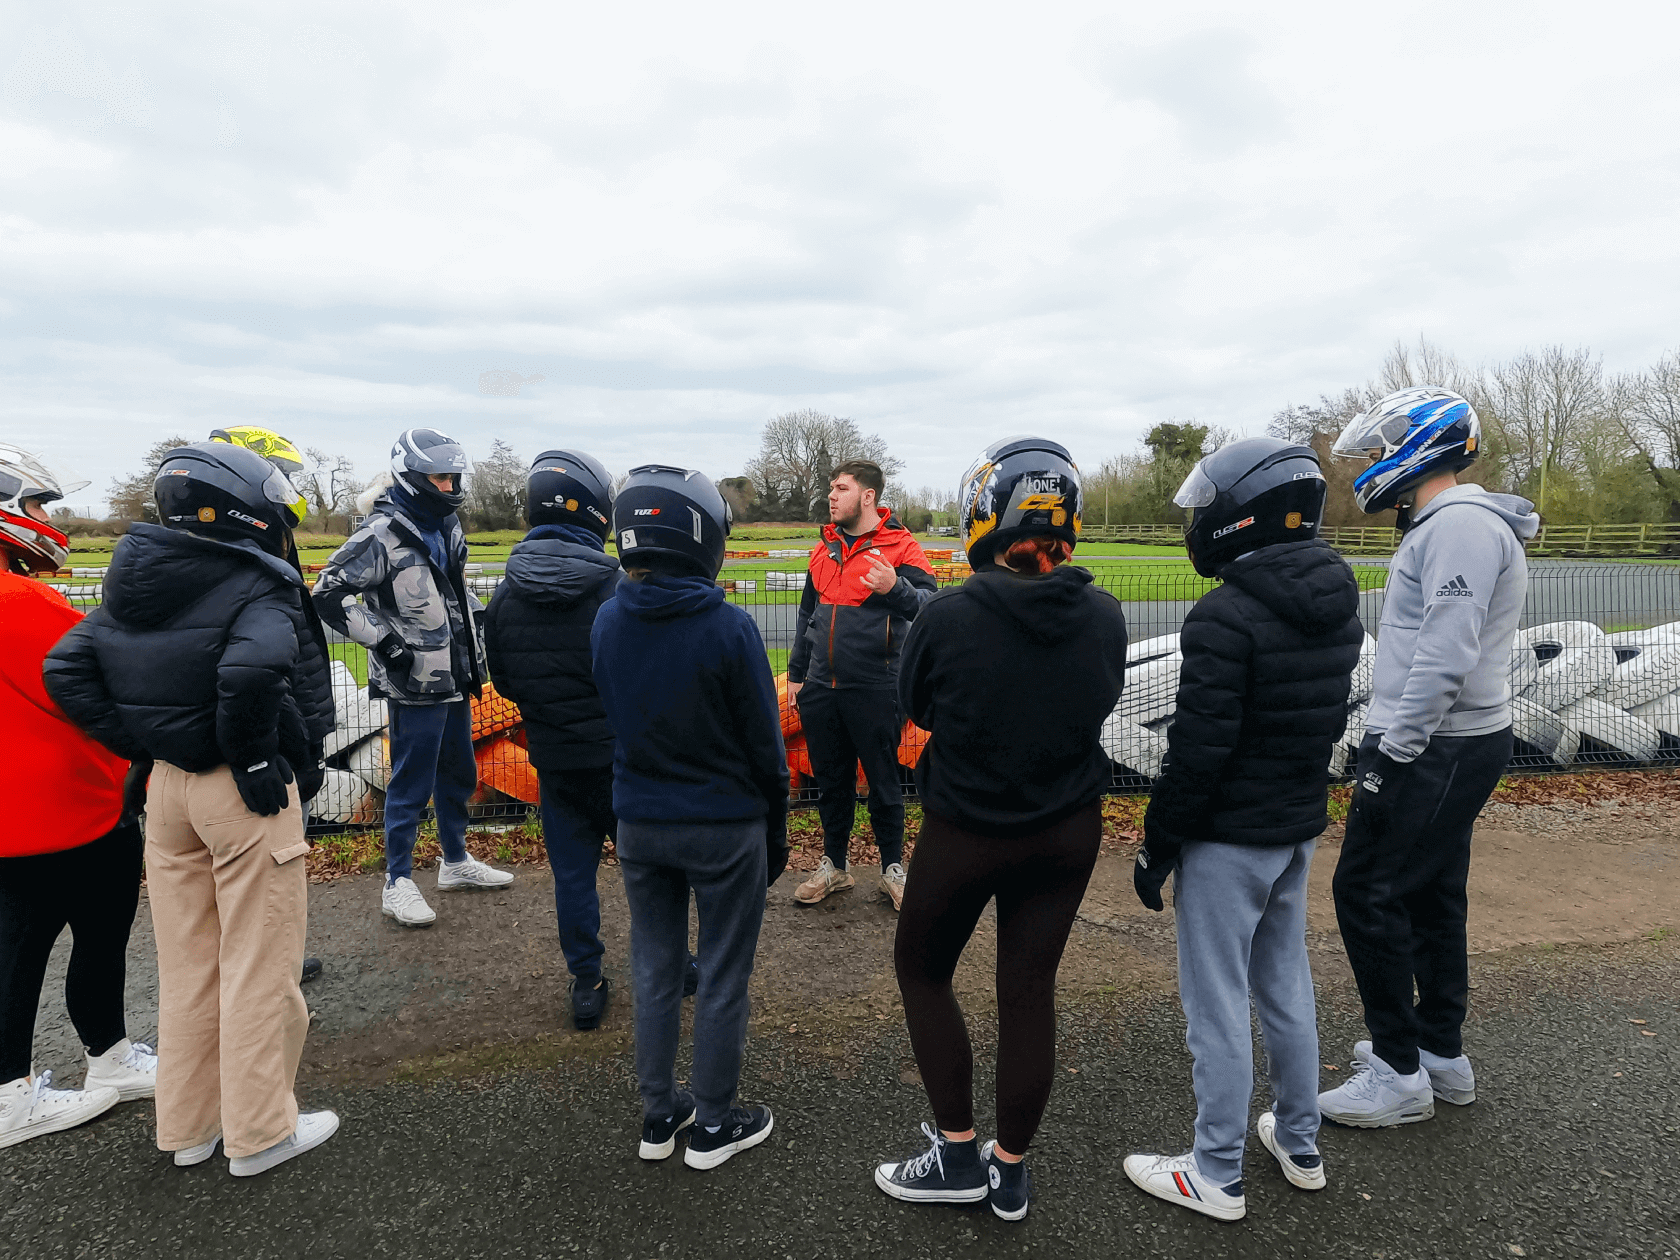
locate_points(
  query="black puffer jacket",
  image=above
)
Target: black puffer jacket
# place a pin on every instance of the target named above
(1268, 657)
(536, 635)
(1014, 677)
(201, 655)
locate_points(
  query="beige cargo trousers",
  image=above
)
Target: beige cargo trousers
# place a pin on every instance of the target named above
(229, 898)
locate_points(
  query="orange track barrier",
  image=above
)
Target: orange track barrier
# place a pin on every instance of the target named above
(493, 714)
(505, 766)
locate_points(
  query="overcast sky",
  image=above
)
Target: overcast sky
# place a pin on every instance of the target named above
(654, 226)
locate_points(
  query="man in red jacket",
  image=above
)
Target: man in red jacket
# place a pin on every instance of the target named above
(868, 580)
(70, 854)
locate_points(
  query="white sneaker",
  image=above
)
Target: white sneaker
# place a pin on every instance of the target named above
(1377, 1097)
(313, 1128)
(471, 873)
(1304, 1172)
(1451, 1080)
(1176, 1179)
(128, 1067)
(29, 1108)
(892, 883)
(402, 901)
(823, 881)
(187, 1156)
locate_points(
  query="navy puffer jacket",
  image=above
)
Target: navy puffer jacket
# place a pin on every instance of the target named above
(1268, 661)
(201, 655)
(536, 635)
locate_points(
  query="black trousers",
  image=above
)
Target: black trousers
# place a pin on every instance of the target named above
(1401, 901)
(844, 726)
(93, 890)
(1039, 881)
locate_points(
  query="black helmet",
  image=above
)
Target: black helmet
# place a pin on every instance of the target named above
(1021, 487)
(569, 488)
(672, 512)
(419, 453)
(227, 492)
(1249, 495)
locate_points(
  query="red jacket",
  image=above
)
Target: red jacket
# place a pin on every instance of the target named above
(61, 788)
(848, 635)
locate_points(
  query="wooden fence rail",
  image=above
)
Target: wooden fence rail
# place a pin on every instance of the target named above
(1651, 539)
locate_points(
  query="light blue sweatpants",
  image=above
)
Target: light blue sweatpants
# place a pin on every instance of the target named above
(1242, 929)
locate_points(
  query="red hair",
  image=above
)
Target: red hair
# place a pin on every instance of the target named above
(1039, 554)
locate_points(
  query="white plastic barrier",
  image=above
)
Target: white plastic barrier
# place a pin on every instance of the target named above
(1578, 662)
(1151, 649)
(342, 794)
(1662, 713)
(357, 716)
(1613, 728)
(1538, 726)
(1133, 746)
(1364, 673)
(1151, 690)
(1644, 672)
(372, 761)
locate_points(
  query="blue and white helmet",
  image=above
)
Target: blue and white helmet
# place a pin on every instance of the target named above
(1409, 436)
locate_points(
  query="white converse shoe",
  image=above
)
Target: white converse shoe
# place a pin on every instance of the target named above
(402, 901)
(1451, 1080)
(1304, 1172)
(471, 873)
(1377, 1097)
(188, 1156)
(313, 1128)
(30, 1108)
(1176, 1179)
(892, 883)
(128, 1067)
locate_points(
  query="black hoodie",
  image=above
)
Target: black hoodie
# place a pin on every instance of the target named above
(1268, 659)
(1014, 677)
(536, 636)
(200, 655)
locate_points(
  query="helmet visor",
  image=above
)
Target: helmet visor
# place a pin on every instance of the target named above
(1366, 433)
(279, 490)
(1198, 490)
(22, 476)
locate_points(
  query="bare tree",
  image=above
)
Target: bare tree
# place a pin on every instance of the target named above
(131, 496)
(1541, 400)
(798, 451)
(329, 483)
(1648, 409)
(496, 489)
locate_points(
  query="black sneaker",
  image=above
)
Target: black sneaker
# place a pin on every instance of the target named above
(947, 1172)
(746, 1126)
(1011, 1185)
(691, 977)
(311, 970)
(659, 1137)
(589, 1003)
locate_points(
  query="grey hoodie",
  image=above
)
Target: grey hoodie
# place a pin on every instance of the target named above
(1455, 594)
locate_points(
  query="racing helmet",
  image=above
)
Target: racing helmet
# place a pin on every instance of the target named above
(1020, 488)
(279, 451)
(676, 513)
(39, 547)
(229, 492)
(1409, 436)
(1248, 495)
(569, 488)
(420, 453)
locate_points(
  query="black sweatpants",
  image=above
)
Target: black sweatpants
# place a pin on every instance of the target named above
(94, 890)
(1401, 901)
(844, 726)
(1039, 881)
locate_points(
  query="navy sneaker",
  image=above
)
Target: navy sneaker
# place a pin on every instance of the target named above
(659, 1137)
(1010, 1184)
(589, 1003)
(311, 970)
(746, 1127)
(947, 1172)
(691, 977)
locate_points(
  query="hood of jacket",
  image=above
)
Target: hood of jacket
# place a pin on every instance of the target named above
(554, 571)
(887, 522)
(1305, 583)
(155, 572)
(1048, 607)
(1514, 510)
(661, 597)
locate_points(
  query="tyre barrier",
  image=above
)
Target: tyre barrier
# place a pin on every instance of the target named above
(1135, 749)
(1544, 731)
(1364, 673)
(1614, 728)
(1573, 660)
(1643, 672)
(1151, 690)
(1664, 714)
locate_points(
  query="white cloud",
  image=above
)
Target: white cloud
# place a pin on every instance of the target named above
(670, 222)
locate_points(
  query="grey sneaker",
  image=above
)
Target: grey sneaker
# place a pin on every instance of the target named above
(823, 881)
(892, 883)
(1378, 1097)
(1451, 1080)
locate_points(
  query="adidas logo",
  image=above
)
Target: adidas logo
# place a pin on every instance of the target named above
(1458, 586)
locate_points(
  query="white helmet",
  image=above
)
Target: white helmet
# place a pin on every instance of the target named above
(23, 477)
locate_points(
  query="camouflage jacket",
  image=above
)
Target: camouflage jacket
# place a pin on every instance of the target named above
(403, 592)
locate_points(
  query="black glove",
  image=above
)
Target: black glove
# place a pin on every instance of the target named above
(775, 855)
(263, 786)
(1149, 876)
(397, 655)
(1378, 791)
(311, 774)
(134, 790)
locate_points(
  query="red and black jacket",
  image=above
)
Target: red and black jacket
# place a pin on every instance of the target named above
(849, 636)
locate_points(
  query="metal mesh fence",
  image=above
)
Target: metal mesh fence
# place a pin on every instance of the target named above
(1595, 675)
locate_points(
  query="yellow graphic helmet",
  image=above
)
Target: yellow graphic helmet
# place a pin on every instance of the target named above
(277, 450)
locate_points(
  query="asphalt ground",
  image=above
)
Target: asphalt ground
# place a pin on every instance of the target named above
(520, 1149)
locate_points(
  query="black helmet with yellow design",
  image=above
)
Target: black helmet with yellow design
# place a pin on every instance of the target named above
(277, 450)
(1022, 487)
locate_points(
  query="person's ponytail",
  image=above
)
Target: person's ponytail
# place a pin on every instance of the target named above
(1038, 554)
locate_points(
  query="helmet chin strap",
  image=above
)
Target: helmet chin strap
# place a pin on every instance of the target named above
(1403, 512)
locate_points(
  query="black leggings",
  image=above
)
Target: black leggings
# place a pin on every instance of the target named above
(1039, 881)
(93, 889)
